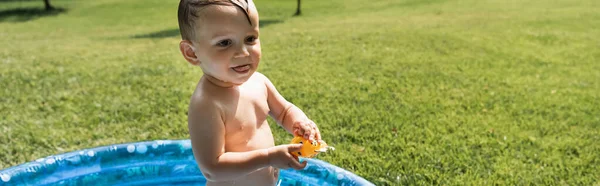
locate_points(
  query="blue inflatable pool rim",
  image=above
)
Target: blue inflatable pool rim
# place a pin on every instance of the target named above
(161, 162)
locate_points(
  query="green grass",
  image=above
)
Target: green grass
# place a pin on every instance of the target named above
(429, 92)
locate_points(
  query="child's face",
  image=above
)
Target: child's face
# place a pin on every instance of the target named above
(227, 45)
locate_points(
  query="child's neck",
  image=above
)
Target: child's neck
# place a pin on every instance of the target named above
(218, 82)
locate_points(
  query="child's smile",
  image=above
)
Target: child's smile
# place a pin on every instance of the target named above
(242, 69)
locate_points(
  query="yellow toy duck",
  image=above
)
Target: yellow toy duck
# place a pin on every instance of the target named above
(310, 148)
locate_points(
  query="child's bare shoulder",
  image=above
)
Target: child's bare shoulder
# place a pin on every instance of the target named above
(205, 100)
(260, 77)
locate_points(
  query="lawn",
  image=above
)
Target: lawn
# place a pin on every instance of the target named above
(425, 92)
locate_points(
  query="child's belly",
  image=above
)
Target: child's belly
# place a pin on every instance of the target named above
(249, 138)
(262, 177)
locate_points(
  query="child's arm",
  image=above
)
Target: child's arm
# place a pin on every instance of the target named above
(207, 133)
(288, 115)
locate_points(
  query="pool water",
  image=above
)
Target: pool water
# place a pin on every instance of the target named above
(162, 162)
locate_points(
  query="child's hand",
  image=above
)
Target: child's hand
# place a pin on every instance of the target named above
(281, 157)
(307, 129)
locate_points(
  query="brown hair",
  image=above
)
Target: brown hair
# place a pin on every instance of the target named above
(187, 13)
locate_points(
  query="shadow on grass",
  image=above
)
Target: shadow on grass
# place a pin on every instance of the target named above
(175, 32)
(264, 23)
(26, 14)
(160, 34)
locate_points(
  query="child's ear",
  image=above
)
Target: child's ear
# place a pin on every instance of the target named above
(187, 49)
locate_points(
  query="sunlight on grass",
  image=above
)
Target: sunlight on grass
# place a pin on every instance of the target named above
(428, 92)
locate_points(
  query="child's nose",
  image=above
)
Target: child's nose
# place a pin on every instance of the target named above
(242, 52)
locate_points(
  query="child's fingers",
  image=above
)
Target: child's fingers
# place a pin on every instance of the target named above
(297, 132)
(307, 134)
(310, 134)
(300, 129)
(308, 130)
(314, 131)
(304, 163)
(294, 147)
(297, 165)
(318, 133)
(302, 133)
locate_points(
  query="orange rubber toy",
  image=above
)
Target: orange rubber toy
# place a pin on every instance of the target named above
(310, 148)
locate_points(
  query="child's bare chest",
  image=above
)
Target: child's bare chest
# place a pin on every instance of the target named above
(246, 126)
(249, 111)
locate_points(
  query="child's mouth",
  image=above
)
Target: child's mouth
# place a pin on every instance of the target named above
(241, 68)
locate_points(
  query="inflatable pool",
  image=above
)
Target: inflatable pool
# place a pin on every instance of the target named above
(163, 162)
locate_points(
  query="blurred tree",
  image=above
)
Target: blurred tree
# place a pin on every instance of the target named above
(48, 5)
(298, 8)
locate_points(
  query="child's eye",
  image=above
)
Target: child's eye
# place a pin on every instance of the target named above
(224, 43)
(250, 39)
